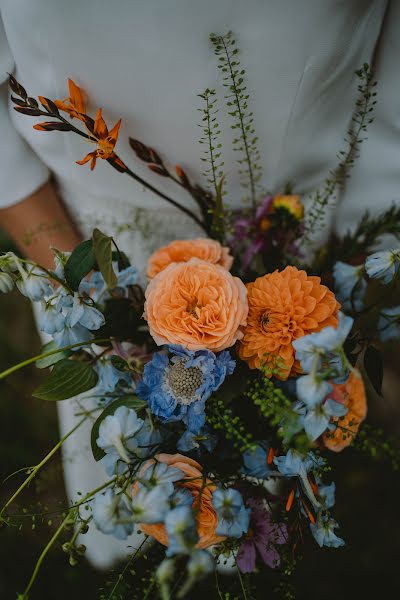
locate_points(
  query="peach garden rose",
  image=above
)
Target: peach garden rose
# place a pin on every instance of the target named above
(196, 305)
(183, 250)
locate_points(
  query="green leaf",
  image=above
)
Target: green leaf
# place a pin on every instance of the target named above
(102, 246)
(79, 264)
(49, 361)
(68, 379)
(119, 363)
(129, 401)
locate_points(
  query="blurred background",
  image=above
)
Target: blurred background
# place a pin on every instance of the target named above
(368, 494)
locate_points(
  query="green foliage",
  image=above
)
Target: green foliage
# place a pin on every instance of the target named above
(376, 444)
(102, 247)
(129, 401)
(277, 409)
(325, 197)
(67, 379)
(79, 264)
(222, 419)
(211, 131)
(49, 361)
(237, 101)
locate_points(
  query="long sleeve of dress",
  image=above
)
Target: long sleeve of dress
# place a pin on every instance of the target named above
(21, 171)
(374, 184)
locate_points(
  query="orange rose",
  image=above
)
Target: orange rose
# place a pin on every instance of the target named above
(201, 490)
(283, 306)
(183, 250)
(352, 395)
(196, 305)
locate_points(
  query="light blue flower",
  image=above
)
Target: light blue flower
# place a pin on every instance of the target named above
(35, 284)
(117, 436)
(315, 345)
(389, 324)
(256, 462)
(150, 506)
(93, 287)
(85, 314)
(201, 563)
(111, 514)
(180, 526)
(294, 464)
(327, 493)
(383, 265)
(180, 497)
(72, 335)
(190, 441)
(318, 417)
(233, 517)
(324, 532)
(160, 474)
(109, 376)
(312, 390)
(148, 439)
(50, 318)
(350, 286)
(127, 276)
(177, 388)
(60, 260)
(6, 282)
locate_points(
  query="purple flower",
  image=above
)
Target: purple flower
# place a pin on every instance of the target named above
(254, 229)
(263, 536)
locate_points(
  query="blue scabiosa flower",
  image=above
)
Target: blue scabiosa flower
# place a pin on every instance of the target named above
(180, 526)
(34, 284)
(350, 286)
(389, 324)
(177, 387)
(111, 514)
(150, 506)
(233, 517)
(324, 532)
(383, 265)
(256, 464)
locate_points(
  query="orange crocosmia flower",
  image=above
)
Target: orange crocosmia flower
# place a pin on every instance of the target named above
(201, 490)
(351, 394)
(105, 140)
(75, 105)
(283, 306)
(183, 250)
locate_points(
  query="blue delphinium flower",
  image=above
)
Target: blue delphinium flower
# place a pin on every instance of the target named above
(255, 462)
(312, 390)
(69, 336)
(294, 464)
(233, 516)
(160, 474)
(190, 441)
(389, 324)
(35, 284)
(85, 314)
(148, 438)
(117, 437)
(96, 288)
(180, 497)
(177, 388)
(109, 376)
(201, 563)
(318, 417)
(150, 506)
(180, 526)
(111, 514)
(383, 265)
(324, 532)
(327, 493)
(350, 286)
(50, 318)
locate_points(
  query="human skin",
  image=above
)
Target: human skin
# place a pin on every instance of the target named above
(40, 222)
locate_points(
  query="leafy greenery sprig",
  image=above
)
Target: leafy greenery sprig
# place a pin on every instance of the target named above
(237, 100)
(221, 418)
(322, 199)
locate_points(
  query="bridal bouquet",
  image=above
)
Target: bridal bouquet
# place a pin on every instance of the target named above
(220, 385)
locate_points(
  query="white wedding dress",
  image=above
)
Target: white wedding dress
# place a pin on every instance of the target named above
(146, 62)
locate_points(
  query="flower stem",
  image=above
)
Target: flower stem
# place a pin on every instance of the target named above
(33, 359)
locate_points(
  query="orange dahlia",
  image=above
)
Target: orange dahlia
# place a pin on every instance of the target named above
(201, 489)
(352, 395)
(283, 306)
